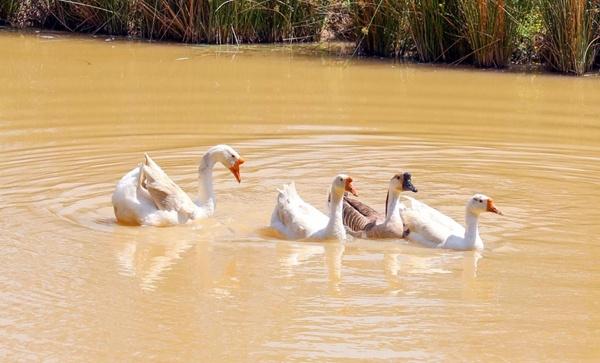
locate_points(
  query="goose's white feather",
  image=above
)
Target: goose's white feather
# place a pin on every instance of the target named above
(296, 219)
(147, 196)
(293, 217)
(431, 228)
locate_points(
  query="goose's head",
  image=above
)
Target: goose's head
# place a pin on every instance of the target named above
(480, 203)
(227, 156)
(402, 182)
(342, 183)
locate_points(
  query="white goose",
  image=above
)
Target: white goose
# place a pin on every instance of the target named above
(147, 196)
(431, 228)
(296, 219)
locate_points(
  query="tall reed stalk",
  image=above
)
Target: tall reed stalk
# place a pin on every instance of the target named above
(571, 34)
(597, 26)
(489, 28)
(434, 29)
(382, 27)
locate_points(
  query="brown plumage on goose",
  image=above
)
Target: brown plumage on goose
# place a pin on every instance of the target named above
(363, 221)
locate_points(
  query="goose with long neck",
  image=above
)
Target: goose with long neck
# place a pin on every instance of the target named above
(147, 196)
(363, 221)
(431, 228)
(296, 219)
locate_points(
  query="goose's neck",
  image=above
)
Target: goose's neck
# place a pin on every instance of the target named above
(392, 207)
(336, 222)
(206, 194)
(472, 229)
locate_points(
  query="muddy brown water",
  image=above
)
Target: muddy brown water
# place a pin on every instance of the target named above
(78, 113)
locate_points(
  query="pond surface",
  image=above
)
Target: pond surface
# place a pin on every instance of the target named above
(78, 113)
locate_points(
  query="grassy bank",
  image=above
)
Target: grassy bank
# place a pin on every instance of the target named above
(562, 34)
(206, 21)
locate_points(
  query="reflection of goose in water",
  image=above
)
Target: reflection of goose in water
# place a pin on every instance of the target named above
(150, 260)
(293, 255)
(403, 270)
(398, 264)
(391, 264)
(470, 263)
(334, 254)
(150, 254)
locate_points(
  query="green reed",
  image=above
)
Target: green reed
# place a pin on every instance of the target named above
(7, 9)
(231, 21)
(487, 33)
(435, 31)
(528, 32)
(571, 34)
(214, 21)
(489, 26)
(381, 26)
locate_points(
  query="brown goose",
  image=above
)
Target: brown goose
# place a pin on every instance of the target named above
(363, 221)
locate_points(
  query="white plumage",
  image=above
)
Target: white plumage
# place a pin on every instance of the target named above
(147, 196)
(296, 219)
(432, 228)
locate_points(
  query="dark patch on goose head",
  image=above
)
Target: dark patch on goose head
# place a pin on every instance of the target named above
(407, 184)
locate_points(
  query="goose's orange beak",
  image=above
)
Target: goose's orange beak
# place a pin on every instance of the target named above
(235, 169)
(492, 208)
(350, 187)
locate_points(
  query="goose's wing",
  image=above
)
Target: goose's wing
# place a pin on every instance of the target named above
(294, 217)
(427, 225)
(432, 214)
(423, 230)
(358, 216)
(164, 192)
